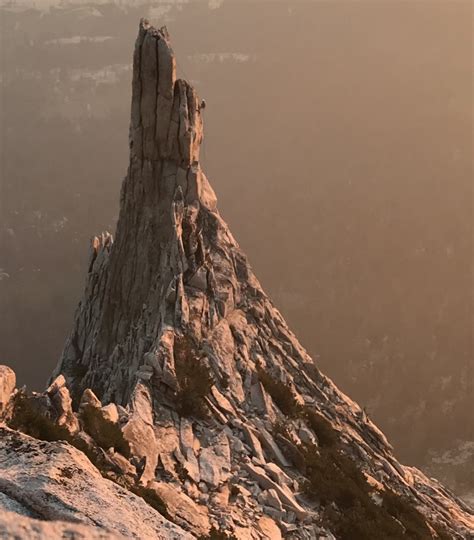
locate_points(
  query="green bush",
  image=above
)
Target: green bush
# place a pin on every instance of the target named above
(280, 393)
(194, 379)
(407, 514)
(224, 381)
(77, 370)
(441, 531)
(326, 434)
(289, 446)
(334, 478)
(31, 416)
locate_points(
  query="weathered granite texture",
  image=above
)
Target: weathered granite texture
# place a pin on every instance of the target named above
(57, 484)
(172, 303)
(14, 526)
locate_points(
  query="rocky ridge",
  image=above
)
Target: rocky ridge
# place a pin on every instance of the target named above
(182, 382)
(55, 482)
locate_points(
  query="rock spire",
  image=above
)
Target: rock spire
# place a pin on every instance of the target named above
(225, 417)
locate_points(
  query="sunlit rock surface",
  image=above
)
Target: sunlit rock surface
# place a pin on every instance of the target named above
(14, 525)
(54, 482)
(187, 386)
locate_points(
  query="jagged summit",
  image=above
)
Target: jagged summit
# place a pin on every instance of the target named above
(165, 204)
(223, 415)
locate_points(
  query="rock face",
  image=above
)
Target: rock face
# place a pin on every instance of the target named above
(188, 385)
(135, 290)
(53, 481)
(7, 385)
(15, 526)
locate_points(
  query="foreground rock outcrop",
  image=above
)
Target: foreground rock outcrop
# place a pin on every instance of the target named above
(54, 482)
(15, 526)
(182, 382)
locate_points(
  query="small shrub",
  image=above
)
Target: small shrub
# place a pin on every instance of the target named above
(326, 434)
(234, 491)
(362, 523)
(441, 531)
(182, 472)
(289, 446)
(78, 370)
(31, 415)
(194, 379)
(281, 428)
(280, 393)
(334, 477)
(225, 381)
(407, 514)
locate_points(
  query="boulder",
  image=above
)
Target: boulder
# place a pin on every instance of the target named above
(199, 279)
(285, 496)
(214, 469)
(271, 446)
(7, 386)
(102, 423)
(139, 433)
(253, 442)
(306, 435)
(269, 528)
(110, 413)
(276, 474)
(222, 402)
(55, 481)
(89, 399)
(187, 449)
(214, 461)
(261, 401)
(37, 415)
(145, 372)
(62, 402)
(123, 464)
(269, 497)
(182, 509)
